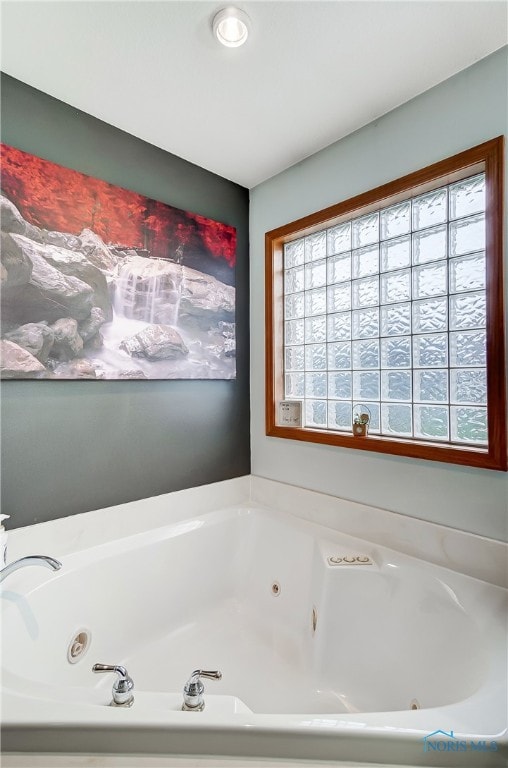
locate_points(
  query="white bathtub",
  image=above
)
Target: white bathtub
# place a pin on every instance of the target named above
(327, 664)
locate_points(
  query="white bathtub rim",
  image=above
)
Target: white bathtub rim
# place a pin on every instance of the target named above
(26, 581)
(142, 715)
(75, 556)
(461, 551)
(319, 745)
(75, 533)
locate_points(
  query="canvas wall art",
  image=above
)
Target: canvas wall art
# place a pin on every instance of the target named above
(99, 282)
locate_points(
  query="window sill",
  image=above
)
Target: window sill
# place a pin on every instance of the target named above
(449, 454)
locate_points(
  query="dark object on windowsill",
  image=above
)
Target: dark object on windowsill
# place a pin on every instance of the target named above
(361, 424)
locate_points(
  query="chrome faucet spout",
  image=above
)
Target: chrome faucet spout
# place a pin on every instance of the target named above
(44, 560)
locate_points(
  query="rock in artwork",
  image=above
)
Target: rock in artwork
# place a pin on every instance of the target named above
(98, 282)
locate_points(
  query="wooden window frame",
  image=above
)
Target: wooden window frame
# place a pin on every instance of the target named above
(488, 158)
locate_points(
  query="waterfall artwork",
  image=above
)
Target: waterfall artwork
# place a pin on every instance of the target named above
(99, 282)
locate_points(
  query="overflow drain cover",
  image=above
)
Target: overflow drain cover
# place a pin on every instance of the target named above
(78, 645)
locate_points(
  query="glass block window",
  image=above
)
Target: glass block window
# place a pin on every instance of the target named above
(393, 306)
(388, 311)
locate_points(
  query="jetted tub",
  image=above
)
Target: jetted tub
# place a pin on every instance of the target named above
(319, 659)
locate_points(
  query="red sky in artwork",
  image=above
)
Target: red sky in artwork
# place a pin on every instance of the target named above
(57, 198)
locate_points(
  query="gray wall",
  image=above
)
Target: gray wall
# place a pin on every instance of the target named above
(461, 112)
(70, 447)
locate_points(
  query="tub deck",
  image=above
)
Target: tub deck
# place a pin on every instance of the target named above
(346, 661)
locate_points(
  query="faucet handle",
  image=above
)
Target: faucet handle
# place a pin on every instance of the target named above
(210, 674)
(193, 689)
(122, 688)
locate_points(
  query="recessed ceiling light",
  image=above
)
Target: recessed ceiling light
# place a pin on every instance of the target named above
(231, 27)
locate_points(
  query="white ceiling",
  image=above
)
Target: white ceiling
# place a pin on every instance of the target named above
(311, 72)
